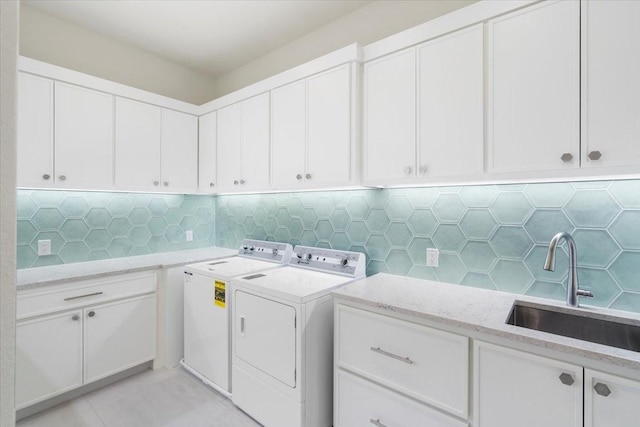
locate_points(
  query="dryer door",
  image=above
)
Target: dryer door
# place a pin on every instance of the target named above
(265, 336)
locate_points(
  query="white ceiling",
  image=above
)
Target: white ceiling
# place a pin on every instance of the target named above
(211, 36)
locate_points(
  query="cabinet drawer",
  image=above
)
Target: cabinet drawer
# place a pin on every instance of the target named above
(424, 363)
(363, 403)
(82, 293)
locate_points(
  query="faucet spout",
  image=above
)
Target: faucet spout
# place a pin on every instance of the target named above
(573, 291)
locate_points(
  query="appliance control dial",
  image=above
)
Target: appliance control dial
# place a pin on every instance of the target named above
(251, 248)
(309, 256)
(275, 252)
(344, 262)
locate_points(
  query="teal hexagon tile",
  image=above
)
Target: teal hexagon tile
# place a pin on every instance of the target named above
(57, 241)
(309, 219)
(119, 206)
(157, 206)
(98, 255)
(596, 248)
(283, 217)
(627, 193)
(119, 227)
(377, 197)
(74, 207)
(74, 229)
(295, 228)
(626, 270)
(340, 198)
(48, 199)
(449, 189)
(535, 261)
(478, 224)
(590, 185)
(139, 250)
(511, 242)
(271, 206)
(25, 256)
(238, 212)
(270, 226)
(625, 229)
(422, 198)
(25, 207)
(139, 236)
(175, 234)
(357, 232)
(399, 235)
(450, 269)
(591, 208)
(511, 187)
(189, 204)
(549, 195)
(340, 241)
(259, 215)
(324, 230)
(97, 217)
(478, 256)
(98, 199)
(189, 222)
(308, 238)
(157, 244)
(204, 231)
(599, 282)
(157, 226)
(46, 261)
(340, 219)
(73, 252)
(627, 301)
(398, 262)
(361, 249)
(249, 225)
(423, 272)
(511, 208)
(511, 276)
(375, 267)
(25, 232)
(308, 199)
(47, 219)
(324, 245)
(203, 215)
(543, 224)
(423, 222)
(98, 239)
(377, 221)
(377, 247)
(119, 247)
(259, 234)
(449, 208)
(478, 280)
(139, 216)
(398, 207)
(139, 200)
(294, 206)
(324, 207)
(550, 290)
(417, 250)
(478, 196)
(448, 237)
(358, 208)
(173, 216)
(283, 235)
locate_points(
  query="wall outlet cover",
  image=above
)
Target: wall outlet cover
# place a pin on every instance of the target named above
(44, 247)
(432, 257)
(189, 235)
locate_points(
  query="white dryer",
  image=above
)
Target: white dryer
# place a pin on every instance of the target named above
(207, 308)
(282, 359)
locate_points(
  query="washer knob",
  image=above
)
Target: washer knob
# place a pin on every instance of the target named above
(245, 247)
(299, 255)
(251, 248)
(274, 252)
(309, 256)
(344, 262)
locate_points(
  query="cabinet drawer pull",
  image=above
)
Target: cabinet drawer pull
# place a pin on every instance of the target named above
(308, 176)
(83, 296)
(377, 423)
(602, 389)
(156, 183)
(75, 317)
(211, 184)
(566, 379)
(241, 325)
(46, 176)
(566, 157)
(62, 177)
(422, 170)
(298, 177)
(166, 183)
(594, 155)
(393, 356)
(408, 170)
(242, 181)
(235, 182)
(92, 313)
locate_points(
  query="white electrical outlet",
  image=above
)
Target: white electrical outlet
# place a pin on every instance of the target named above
(44, 247)
(432, 257)
(189, 235)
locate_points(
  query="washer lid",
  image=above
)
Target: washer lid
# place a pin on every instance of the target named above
(230, 267)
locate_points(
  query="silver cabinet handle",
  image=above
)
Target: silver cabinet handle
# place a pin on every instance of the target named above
(566, 157)
(46, 176)
(235, 182)
(166, 183)
(75, 317)
(156, 183)
(408, 170)
(242, 181)
(602, 389)
(566, 379)
(211, 184)
(422, 169)
(91, 313)
(62, 177)
(377, 423)
(241, 325)
(308, 176)
(391, 355)
(298, 177)
(594, 155)
(83, 296)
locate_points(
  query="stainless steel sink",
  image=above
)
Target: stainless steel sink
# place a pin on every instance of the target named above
(607, 330)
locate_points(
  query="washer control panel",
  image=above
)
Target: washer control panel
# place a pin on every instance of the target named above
(344, 263)
(260, 249)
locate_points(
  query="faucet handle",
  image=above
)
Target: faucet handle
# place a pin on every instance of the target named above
(583, 293)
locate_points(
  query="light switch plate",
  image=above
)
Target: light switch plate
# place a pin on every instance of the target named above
(433, 256)
(44, 247)
(189, 235)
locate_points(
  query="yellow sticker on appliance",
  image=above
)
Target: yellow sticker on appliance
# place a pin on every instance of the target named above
(219, 294)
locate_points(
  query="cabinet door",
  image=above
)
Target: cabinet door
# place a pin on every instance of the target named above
(118, 336)
(83, 138)
(610, 401)
(611, 83)
(390, 117)
(329, 127)
(137, 153)
(288, 134)
(48, 357)
(179, 155)
(229, 159)
(450, 104)
(255, 143)
(207, 130)
(534, 88)
(518, 389)
(35, 131)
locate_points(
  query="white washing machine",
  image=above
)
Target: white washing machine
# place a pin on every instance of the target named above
(207, 308)
(282, 359)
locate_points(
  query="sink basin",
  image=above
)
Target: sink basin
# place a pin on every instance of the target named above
(607, 330)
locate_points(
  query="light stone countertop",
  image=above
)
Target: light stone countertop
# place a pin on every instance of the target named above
(482, 311)
(30, 278)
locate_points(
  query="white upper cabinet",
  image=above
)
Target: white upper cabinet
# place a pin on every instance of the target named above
(179, 152)
(207, 131)
(611, 83)
(35, 131)
(83, 138)
(534, 88)
(229, 159)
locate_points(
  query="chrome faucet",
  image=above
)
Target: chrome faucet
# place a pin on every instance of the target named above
(573, 292)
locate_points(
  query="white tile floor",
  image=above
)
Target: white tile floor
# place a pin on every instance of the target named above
(165, 397)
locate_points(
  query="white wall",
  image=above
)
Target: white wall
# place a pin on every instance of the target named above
(50, 39)
(8, 78)
(365, 25)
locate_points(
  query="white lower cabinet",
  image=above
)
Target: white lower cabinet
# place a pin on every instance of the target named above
(610, 401)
